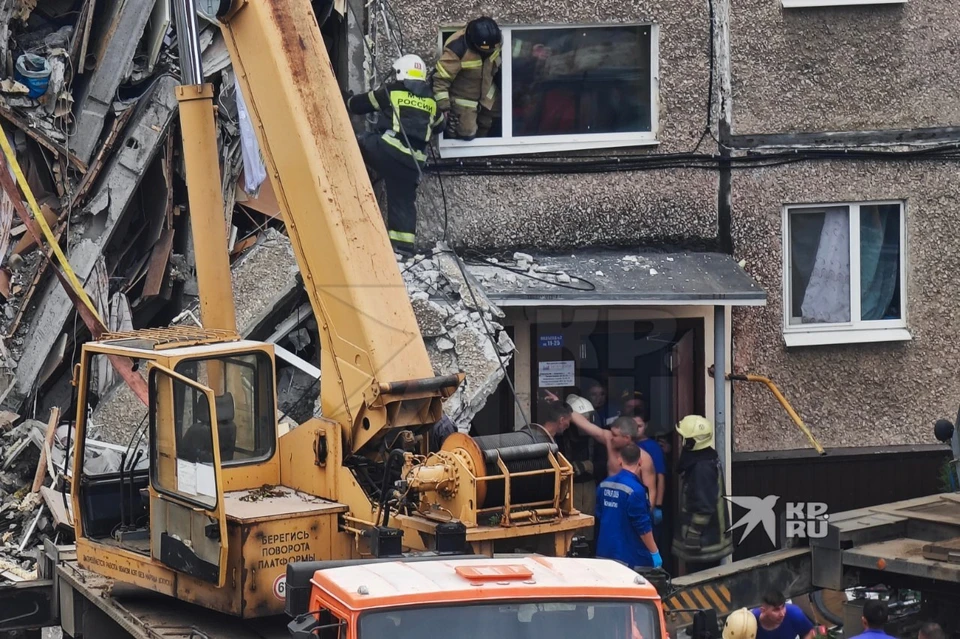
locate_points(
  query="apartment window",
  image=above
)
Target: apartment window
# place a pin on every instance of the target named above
(570, 88)
(844, 272)
(797, 4)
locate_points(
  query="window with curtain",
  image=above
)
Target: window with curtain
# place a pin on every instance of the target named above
(844, 267)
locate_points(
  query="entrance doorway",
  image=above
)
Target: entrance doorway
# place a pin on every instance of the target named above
(659, 359)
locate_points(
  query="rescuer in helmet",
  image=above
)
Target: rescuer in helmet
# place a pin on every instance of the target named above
(703, 538)
(465, 79)
(398, 151)
(740, 624)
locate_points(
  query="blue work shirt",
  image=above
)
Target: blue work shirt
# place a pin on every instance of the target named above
(874, 633)
(795, 624)
(623, 515)
(656, 454)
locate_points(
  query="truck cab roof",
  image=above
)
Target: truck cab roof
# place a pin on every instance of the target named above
(391, 584)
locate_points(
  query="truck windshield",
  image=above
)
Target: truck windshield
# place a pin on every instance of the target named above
(528, 620)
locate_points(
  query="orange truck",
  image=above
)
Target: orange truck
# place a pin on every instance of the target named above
(529, 597)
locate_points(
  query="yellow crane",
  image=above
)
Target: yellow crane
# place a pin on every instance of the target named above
(226, 503)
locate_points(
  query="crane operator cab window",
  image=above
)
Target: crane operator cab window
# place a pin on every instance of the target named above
(121, 452)
(246, 420)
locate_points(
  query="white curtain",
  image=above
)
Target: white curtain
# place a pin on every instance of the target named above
(827, 296)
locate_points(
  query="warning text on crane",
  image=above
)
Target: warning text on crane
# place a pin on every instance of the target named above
(280, 549)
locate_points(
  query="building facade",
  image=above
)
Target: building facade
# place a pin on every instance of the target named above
(760, 186)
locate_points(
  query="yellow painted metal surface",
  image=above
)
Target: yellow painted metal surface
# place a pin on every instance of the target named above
(205, 197)
(368, 331)
(172, 507)
(267, 549)
(126, 566)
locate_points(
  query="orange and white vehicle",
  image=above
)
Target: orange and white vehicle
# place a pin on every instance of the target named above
(531, 597)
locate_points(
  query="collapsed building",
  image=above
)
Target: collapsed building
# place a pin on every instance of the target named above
(87, 104)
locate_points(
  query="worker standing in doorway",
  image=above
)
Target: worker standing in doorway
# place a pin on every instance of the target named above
(398, 151)
(704, 537)
(465, 80)
(626, 531)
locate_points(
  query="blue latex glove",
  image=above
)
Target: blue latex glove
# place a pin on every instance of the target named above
(657, 559)
(657, 515)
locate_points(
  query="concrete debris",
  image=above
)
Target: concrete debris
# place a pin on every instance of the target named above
(456, 321)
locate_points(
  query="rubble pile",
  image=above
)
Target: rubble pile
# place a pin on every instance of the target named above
(88, 107)
(459, 325)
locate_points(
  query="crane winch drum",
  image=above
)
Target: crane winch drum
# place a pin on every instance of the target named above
(512, 478)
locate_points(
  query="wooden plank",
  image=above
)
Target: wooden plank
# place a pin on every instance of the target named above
(62, 517)
(6, 219)
(41, 473)
(244, 244)
(168, 175)
(26, 243)
(85, 40)
(41, 139)
(158, 264)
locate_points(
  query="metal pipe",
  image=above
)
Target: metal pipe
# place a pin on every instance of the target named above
(188, 42)
(446, 384)
(783, 402)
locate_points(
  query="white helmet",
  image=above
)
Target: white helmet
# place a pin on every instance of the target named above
(410, 67)
(579, 404)
(741, 624)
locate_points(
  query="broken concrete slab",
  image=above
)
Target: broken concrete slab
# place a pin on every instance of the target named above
(120, 179)
(113, 61)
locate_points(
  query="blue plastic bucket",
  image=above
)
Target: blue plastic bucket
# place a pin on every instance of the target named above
(33, 71)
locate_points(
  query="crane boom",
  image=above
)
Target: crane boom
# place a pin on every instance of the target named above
(369, 334)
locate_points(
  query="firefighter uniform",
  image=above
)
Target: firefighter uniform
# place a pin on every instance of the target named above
(704, 537)
(465, 83)
(409, 117)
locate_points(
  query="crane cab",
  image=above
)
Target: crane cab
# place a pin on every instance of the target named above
(193, 508)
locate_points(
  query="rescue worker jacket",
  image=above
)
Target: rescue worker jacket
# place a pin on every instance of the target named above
(703, 510)
(409, 115)
(623, 515)
(463, 78)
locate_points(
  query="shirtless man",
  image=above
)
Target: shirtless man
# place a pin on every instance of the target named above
(622, 431)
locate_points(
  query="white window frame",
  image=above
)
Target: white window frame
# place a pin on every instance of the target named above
(799, 4)
(856, 331)
(508, 145)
